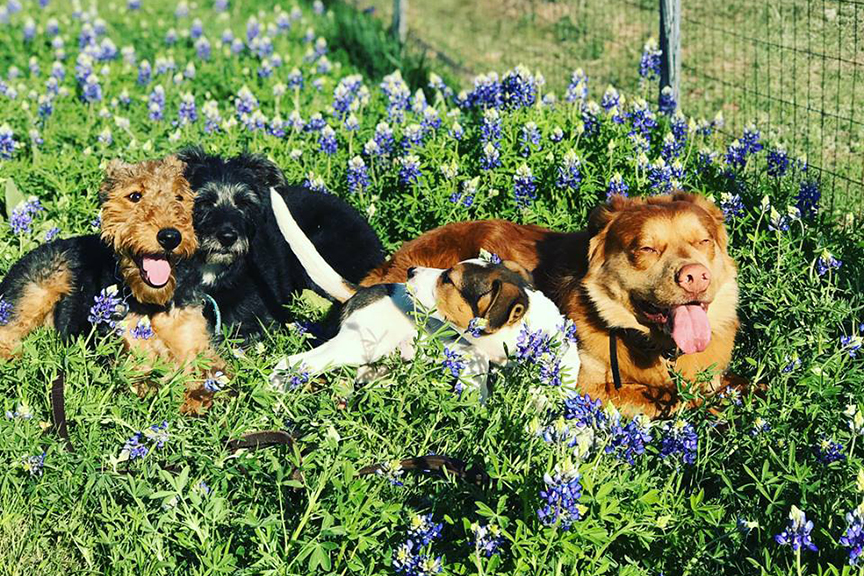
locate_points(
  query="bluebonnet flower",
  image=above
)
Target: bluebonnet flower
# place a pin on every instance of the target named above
(531, 139)
(145, 72)
(255, 121)
(456, 131)
(431, 120)
(321, 46)
(491, 157)
(196, 29)
(524, 187)
(569, 175)
(792, 363)
(96, 223)
(187, 113)
(315, 182)
(672, 147)
(345, 93)
(826, 262)
(611, 99)
(34, 464)
(392, 470)
(107, 307)
(760, 425)
(437, 83)
(316, 123)
(29, 29)
(466, 196)
(156, 103)
(679, 441)
(488, 539)
(237, 46)
(476, 327)
(398, 94)
(277, 127)
(245, 102)
(746, 526)
(409, 561)
(590, 123)
(738, 152)
(383, 138)
(8, 144)
(731, 204)
(165, 65)
(212, 118)
(851, 344)
(134, 448)
(227, 36)
(578, 87)
(91, 91)
(35, 70)
(828, 451)
(253, 28)
(22, 216)
(216, 382)
(616, 185)
(532, 346)
(171, 37)
(807, 200)
(327, 141)
(409, 172)
(107, 50)
(5, 311)
(486, 92)
(797, 531)
(519, 87)
(853, 537)
(584, 410)
(143, 330)
(83, 67)
(778, 162)
(203, 48)
(628, 441)
(490, 130)
(778, 222)
(412, 136)
(295, 79)
(418, 102)
(51, 233)
(649, 65)
(22, 412)
(561, 496)
(358, 177)
(423, 530)
(666, 104)
(105, 137)
(642, 119)
(133, 4)
(557, 134)
(660, 175)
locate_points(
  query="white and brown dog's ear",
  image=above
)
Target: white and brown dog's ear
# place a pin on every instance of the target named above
(503, 305)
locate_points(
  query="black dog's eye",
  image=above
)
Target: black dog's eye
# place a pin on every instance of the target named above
(134, 196)
(243, 200)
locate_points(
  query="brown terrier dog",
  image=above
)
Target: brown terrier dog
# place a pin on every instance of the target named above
(649, 285)
(132, 279)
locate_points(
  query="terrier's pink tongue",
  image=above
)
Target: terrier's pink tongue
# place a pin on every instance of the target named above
(157, 270)
(690, 328)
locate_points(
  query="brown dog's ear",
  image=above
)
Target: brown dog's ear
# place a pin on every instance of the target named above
(518, 269)
(604, 214)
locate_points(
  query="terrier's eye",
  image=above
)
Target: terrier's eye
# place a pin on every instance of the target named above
(179, 198)
(134, 196)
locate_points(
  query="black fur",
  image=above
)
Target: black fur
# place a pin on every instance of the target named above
(252, 272)
(93, 266)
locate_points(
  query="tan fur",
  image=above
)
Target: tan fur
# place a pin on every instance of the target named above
(36, 309)
(595, 275)
(131, 227)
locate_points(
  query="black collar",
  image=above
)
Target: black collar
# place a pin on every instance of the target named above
(613, 357)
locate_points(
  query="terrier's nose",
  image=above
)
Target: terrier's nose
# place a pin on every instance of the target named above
(411, 271)
(169, 238)
(694, 278)
(226, 236)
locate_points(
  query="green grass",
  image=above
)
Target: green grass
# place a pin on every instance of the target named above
(304, 509)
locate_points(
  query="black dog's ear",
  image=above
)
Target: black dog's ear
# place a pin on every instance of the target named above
(196, 160)
(266, 173)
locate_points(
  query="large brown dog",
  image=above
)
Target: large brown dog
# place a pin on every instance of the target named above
(653, 272)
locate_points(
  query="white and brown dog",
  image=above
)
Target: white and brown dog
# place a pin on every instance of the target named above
(488, 304)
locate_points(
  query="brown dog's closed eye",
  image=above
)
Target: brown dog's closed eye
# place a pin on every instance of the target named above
(504, 304)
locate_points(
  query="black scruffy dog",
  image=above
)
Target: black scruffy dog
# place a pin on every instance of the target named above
(246, 265)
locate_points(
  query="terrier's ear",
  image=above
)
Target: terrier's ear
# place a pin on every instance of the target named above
(114, 171)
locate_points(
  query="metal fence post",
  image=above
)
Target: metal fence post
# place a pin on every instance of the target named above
(400, 20)
(670, 45)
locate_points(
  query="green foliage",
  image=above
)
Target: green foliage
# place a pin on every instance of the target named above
(305, 509)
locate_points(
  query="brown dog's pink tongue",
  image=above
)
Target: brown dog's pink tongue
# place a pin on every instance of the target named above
(690, 328)
(157, 270)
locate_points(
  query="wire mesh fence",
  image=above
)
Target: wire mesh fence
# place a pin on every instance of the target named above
(793, 67)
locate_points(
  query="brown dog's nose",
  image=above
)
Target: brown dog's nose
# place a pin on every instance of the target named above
(169, 238)
(694, 278)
